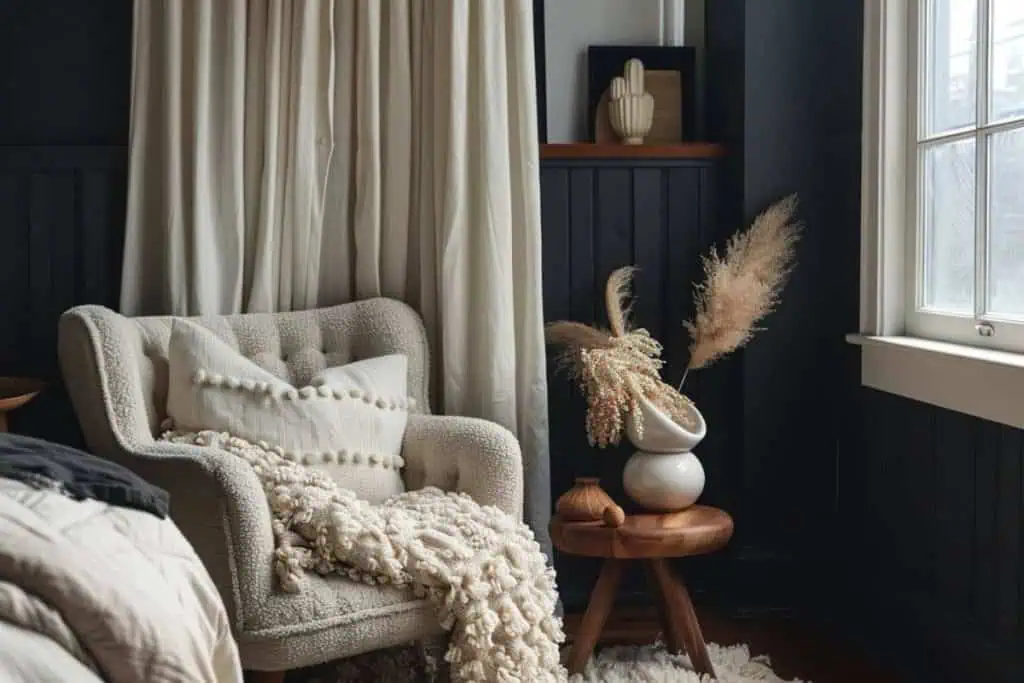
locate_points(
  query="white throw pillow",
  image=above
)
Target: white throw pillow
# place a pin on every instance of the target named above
(349, 422)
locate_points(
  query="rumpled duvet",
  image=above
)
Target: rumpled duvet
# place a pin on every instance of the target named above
(119, 590)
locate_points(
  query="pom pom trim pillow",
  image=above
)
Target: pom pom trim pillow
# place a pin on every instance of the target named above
(349, 421)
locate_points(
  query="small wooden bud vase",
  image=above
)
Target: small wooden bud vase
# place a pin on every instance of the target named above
(586, 501)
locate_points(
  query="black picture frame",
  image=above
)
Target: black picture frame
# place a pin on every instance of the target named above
(605, 62)
(540, 64)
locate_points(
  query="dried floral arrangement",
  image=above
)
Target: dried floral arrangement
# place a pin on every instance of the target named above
(615, 368)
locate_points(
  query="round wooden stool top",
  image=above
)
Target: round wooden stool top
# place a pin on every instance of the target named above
(697, 530)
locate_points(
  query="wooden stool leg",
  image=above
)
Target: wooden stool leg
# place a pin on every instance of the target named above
(683, 618)
(601, 600)
(673, 640)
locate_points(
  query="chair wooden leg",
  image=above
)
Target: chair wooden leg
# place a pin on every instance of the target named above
(264, 676)
(601, 600)
(673, 640)
(683, 618)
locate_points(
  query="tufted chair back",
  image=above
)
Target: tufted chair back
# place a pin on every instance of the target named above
(293, 346)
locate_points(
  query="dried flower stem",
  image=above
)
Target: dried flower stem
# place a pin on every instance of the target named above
(682, 380)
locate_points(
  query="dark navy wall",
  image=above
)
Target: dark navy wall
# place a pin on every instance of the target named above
(64, 87)
(903, 520)
(783, 82)
(931, 520)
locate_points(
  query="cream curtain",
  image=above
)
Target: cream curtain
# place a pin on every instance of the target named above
(287, 155)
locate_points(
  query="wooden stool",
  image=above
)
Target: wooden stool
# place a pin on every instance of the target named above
(652, 538)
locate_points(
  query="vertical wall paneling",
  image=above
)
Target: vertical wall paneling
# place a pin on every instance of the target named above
(954, 510)
(13, 256)
(649, 229)
(986, 497)
(1008, 541)
(63, 221)
(930, 510)
(556, 245)
(581, 219)
(681, 196)
(614, 231)
(102, 203)
(62, 216)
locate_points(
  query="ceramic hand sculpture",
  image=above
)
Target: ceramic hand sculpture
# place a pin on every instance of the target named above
(630, 107)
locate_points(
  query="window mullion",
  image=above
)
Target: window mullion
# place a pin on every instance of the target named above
(916, 275)
(981, 167)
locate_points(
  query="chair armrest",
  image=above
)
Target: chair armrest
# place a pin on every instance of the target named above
(216, 499)
(218, 503)
(465, 454)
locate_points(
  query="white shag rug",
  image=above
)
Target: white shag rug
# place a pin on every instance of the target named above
(623, 664)
(654, 664)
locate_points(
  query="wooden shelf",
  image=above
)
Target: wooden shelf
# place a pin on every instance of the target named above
(591, 150)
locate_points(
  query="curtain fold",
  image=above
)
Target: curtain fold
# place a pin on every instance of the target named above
(292, 155)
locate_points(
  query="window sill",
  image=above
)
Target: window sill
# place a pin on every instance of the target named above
(980, 382)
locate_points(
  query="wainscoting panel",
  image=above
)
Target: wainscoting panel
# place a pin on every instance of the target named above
(931, 504)
(62, 217)
(598, 215)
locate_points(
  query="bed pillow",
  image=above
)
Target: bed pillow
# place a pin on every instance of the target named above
(349, 421)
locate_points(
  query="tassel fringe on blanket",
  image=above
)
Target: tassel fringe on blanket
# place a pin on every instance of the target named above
(480, 567)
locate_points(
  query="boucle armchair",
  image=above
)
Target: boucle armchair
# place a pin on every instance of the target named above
(115, 368)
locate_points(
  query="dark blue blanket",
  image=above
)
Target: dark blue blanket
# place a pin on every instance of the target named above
(77, 474)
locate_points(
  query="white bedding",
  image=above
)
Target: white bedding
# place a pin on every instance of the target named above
(104, 592)
(30, 657)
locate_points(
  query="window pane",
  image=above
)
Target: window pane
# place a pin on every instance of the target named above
(1007, 78)
(1006, 225)
(947, 203)
(950, 65)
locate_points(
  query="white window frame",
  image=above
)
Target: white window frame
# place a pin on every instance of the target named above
(935, 359)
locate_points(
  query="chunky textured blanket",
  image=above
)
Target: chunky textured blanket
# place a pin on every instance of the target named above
(480, 567)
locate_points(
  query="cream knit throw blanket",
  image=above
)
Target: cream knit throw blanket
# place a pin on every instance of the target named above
(480, 567)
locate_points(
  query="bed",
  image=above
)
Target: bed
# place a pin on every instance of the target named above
(95, 583)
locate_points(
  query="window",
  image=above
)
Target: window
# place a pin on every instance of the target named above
(942, 219)
(966, 172)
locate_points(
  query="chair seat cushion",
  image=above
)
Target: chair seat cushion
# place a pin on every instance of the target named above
(349, 421)
(304, 628)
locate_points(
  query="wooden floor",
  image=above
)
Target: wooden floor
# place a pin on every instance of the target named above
(798, 650)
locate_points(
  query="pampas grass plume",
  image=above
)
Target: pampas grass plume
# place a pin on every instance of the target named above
(742, 285)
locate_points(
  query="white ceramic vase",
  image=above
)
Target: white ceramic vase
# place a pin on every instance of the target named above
(664, 475)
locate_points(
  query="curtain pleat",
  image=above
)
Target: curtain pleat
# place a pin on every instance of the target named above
(291, 155)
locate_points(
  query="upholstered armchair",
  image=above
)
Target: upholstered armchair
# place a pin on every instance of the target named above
(115, 368)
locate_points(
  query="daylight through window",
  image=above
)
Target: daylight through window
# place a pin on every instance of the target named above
(967, 164)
